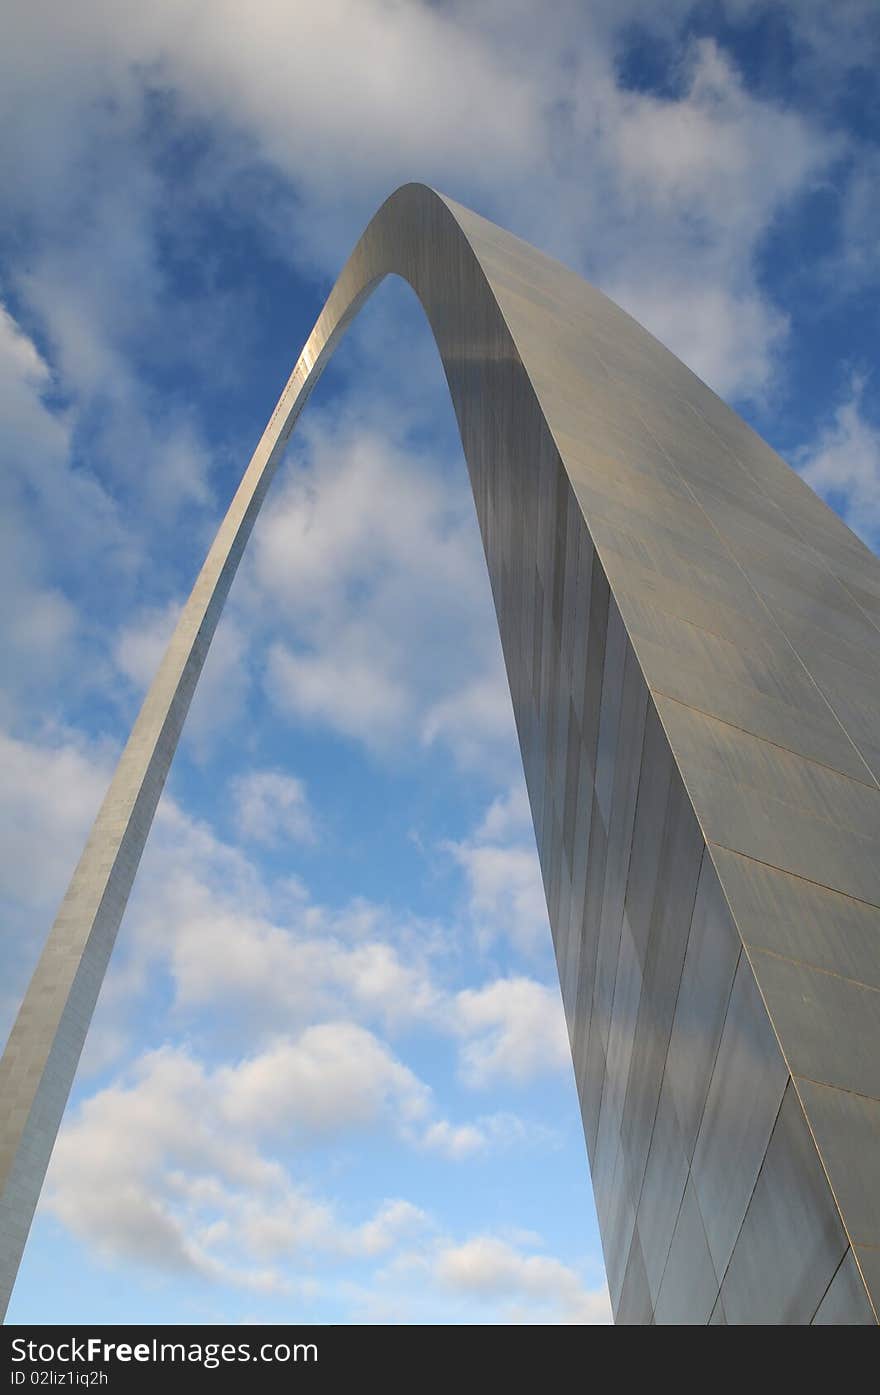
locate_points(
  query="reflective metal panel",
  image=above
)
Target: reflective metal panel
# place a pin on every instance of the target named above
(681, 854)
(687, 600)
(742, 1103)
(805, 731)
(618, 1224)
(713, 952)
(797, 919)
(610, 894)
(845, 1304)
(718, 1318)
(770, 830)
(666, 1176)
(868, 1260)
(689, 1290)
(846, 1127)
(609, 711)
(589, 1061)
(635, 1299)
(621, 1038)
(792, 1240)
(827, 1022)
(761, 768)
(647, 847)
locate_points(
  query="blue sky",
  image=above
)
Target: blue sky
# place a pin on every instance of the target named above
(328, 1076)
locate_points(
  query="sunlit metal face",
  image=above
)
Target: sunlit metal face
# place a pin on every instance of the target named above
(693, 646)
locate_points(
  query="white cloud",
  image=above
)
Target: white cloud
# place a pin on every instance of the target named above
(696, 152)
(272, 807)
(503, 876)
(355, 507)
(165, 1170)
(271, 966)
(193, 1190)
(162, 1169)
(506, 894)
(488, 1133)
(95, 296)
(335, 1077)
(454, 1141)
(386, 626)
(728, 335)
(843, 465)
(509, 815)
(515, 1031)
(109, 1178)
(24, 377)
(267, 73)
(476, 718)
(206, 911)
(688, 165)
(345, 689)
(537, 1286)
(393, 1222)
(44, 510)
(48, 796)
(301, 1223)
(277, 964)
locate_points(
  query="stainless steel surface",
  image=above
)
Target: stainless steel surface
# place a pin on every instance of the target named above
(689, 1289)
(792, 1239)
(846, 1126)
(845, 1303)
(718, 1318)
(826, 1021)
(868, 1260)
(745, 1091)
(713, 952)
(634, 1308)
(681, 855)
(799, 920)
(692, 641)
(666, 1176)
